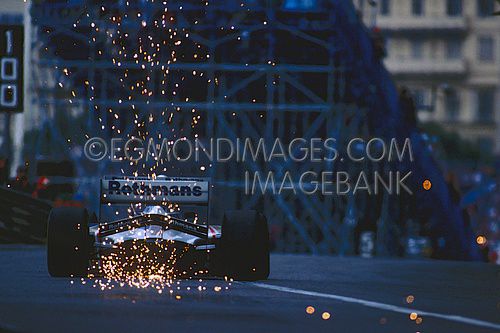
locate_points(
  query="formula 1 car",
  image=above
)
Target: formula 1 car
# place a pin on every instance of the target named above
(238, 248)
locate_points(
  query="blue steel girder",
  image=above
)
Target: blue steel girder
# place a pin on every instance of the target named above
(310, 204)
(229, 132)
(311, 113)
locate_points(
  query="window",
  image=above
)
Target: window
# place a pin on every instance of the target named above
(485, 104)
(453, 7)
(417, 47)
(486, 49)
(385, 7)
(420, 98)
(387, 46)
(485, 8)
(417, 7)
(454, 48)
(452, 104)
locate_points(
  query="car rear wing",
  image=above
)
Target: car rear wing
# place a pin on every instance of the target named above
(181, 190)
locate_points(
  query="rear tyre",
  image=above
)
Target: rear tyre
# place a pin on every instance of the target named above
(68, 242)
(244, 246)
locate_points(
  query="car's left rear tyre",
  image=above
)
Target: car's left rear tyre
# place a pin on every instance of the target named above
(244, 246)
(68, 242)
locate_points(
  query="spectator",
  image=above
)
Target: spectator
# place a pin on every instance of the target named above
(20, 183)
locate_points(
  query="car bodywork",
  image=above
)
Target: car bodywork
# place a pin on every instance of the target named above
(157, 222)
(156, 227)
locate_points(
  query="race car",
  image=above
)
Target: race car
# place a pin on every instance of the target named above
(164, 210)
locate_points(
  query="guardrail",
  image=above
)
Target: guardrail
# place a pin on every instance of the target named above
(23, 219)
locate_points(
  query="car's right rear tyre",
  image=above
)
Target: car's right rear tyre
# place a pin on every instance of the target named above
(68, 242)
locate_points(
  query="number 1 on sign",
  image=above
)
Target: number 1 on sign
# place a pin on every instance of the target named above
(8, 35)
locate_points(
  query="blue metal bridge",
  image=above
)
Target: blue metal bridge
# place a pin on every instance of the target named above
(248, 69)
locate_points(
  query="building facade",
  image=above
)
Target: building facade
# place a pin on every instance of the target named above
(447, 52)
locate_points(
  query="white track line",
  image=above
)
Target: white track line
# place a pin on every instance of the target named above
(382, 306)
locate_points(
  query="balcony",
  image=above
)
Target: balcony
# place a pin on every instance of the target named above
(422, 24)
(426, 67)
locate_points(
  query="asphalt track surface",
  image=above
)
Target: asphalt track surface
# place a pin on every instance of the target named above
(360, 295)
